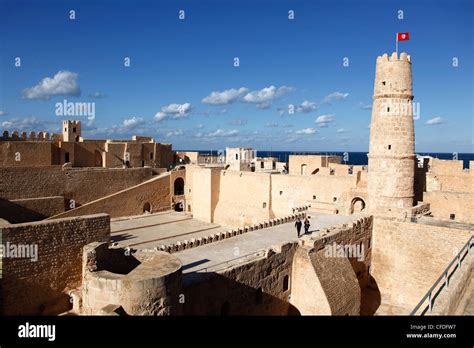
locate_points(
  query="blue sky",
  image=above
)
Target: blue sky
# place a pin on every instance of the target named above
(176, 65)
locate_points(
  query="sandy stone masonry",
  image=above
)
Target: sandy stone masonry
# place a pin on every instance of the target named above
(392, 137)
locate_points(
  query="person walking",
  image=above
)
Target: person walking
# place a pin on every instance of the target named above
(298, 224)
(306, 225)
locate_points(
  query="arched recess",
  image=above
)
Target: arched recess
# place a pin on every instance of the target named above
(178, 187)
(357, 205)
(303, 169)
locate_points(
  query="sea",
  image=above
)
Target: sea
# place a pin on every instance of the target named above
(354, 158)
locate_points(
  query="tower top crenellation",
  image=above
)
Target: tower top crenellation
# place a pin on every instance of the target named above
(404, 57)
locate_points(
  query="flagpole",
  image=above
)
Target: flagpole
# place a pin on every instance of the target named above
(396, 43)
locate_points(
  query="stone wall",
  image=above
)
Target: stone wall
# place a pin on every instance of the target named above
(31, 287)
(311, 163)
(26, 153)
(450, 190)
(30, 209)
(257, 287)
(331, 284)
(407, 258)
(322, 192)
(154, 194)
(244, 198)
(443, 204)
(82, 185)
(233, 198)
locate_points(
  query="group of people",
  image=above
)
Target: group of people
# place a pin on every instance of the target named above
(299, 223)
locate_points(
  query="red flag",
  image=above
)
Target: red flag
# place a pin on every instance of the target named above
(403, 36)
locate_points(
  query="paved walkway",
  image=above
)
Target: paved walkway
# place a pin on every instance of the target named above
(219, 255)
(149, 231)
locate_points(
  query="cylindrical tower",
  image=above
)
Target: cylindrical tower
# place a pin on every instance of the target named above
(392, 137)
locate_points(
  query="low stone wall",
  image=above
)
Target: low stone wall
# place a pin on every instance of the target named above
(39, 285)
(141, 283)
(30, 209)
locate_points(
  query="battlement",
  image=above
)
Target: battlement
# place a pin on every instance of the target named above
(32, 136)
(404, 57)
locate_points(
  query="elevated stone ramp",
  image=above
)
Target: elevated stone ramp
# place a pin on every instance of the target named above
(231, 251)
(154, 193)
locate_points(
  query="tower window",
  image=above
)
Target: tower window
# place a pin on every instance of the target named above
(74, 129)
(151, 155)
(388, 109)
(334, 199)
(452, 216)
(236, 156)
(389, 147)
(264, 204)
(383, 83)
(281, 192)
(314, 197)
(261, 164)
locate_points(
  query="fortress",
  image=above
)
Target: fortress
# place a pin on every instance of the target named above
(129, 227)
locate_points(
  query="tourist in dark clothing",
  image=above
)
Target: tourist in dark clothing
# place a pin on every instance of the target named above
(298, 224)
(306, 226)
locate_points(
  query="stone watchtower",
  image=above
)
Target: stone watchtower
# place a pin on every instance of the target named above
(392, 137)
(71, 130)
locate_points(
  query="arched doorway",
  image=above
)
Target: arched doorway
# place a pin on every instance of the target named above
(303, 169)
(179, 187)
(147, 208)
(357, 205)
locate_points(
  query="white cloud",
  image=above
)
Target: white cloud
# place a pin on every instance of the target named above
(306, 131)
(23, 124)
(222, 133)
(3, 113)
(434, 121)
(323, 120)
(199, 126)
(334, 96)
(341, 130)
(365, 106)
(132, 123)
(175, 133)
(306, 107)
(64, 83)
(173, 111)
(266, 94)
(225, 97)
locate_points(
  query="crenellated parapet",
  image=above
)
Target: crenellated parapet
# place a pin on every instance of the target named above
(24, 136)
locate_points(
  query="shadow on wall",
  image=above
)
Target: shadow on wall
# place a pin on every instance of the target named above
(214, 294)
(370, 298)
(16, 213)
(370, 293)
